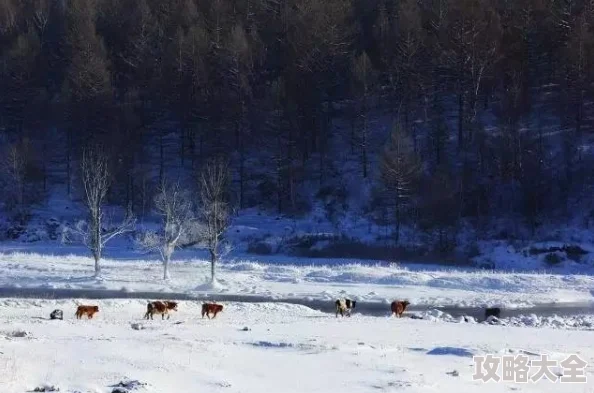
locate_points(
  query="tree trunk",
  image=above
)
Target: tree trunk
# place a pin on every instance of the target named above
(322, 133)
(279, 174)
(161, 159)
(213, 260)
(182, 149)
(241, 167)
(398, 218)
(44, 166)
(460, 119)
(192, 141)
(97, 258)
(166, 267)
(68, 160)
(364, 146)
(290, 173)
(96, 244)
(353, 128)
(364, 137)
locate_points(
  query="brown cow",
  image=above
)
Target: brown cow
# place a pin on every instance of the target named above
(89, 311)
(211, 308)
(398, 307)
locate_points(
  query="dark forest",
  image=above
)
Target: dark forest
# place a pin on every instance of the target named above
(447, 110)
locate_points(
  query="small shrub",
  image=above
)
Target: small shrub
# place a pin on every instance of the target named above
(553, 259)
(502, 235)
(487, 264)
(336, 246)
(259, 248)
(575, 253)
(46, 388)
(52, 227)
(334, 199)
(473, 250)
(304, 243)
(15, 231)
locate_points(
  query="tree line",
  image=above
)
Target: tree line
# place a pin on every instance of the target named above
(488, 102)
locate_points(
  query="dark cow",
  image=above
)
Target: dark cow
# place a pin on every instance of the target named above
(493, 312)
(211, 308)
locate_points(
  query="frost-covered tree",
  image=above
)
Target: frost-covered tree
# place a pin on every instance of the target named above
(96, 181)
(214, 210)
(175, 208)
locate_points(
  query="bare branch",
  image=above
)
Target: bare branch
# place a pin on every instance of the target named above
(127, 225)
(96, 181)
(174, 206)
(214, 208)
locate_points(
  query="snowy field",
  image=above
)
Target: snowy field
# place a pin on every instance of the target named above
(422, 285)
(275, 346)
(261, 348)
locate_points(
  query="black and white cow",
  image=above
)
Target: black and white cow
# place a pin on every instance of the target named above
(344, 306)
(57, 314)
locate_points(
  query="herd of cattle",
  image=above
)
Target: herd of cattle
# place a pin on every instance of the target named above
(397, 307)
(159, 307)
(163, 308)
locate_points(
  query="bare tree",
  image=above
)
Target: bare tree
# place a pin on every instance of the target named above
(241, 66)
(471, 51)
(214, 209)
(96, 181)
(400, 170)
(364, 79)
(439, 208)
(14, 167)
(9, 15)
(174, 206)
(19, 170)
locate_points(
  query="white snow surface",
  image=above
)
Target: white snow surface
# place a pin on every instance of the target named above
(264, 347)
(290, 279)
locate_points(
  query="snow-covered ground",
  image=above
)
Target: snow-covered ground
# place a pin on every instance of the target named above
(326, 280)
(261, 348)
(275, 346)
